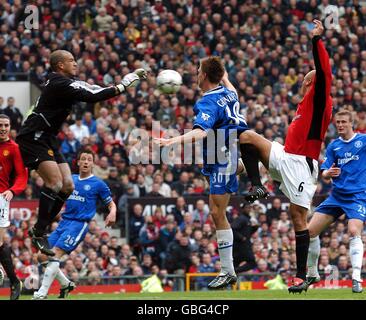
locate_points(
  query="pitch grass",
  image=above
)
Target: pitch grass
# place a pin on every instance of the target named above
(312, 294)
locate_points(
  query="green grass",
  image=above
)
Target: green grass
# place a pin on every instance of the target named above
(312, 294)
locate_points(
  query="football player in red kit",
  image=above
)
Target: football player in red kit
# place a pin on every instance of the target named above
(13, 181)
(295, 165)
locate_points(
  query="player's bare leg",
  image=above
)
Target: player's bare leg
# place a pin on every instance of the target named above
(224, 234)
(298, 215)
(355, 227)
(7, 263)
(254, 148)
(241, 168)
(66, 190)
(67, 183)
(317, 224)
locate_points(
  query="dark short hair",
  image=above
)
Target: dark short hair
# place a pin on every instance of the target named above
(85, 151)
(214, 68)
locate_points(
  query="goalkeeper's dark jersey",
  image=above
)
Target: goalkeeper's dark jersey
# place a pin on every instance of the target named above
(55, 103)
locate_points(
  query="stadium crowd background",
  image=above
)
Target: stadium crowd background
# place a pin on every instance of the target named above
(267, 51)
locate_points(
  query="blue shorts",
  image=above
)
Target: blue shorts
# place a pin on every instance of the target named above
(68, 234)
(353, 205)
(221, 181)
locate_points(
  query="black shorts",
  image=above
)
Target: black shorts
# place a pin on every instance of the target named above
(37, 147)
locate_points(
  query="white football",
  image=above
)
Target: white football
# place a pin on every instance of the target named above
(169, 81)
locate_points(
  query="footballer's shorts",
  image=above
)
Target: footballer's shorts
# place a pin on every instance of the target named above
(297, 174)
(68, 234)
(4, 213)
(353, 205)
(37, 147)
(221, 178)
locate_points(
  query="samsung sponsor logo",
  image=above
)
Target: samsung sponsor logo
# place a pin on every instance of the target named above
(346, 160)
(75, 196)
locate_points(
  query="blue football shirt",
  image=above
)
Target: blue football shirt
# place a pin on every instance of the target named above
(82, 203)
(218, 113)
(350, 157)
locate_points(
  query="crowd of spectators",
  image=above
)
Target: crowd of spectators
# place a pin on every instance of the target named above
(267, 51)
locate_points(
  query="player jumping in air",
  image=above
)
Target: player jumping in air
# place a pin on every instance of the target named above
(345, 165)
(11, 168)
(81, 207)
(295, 164)
(217, 115)
(37, 137)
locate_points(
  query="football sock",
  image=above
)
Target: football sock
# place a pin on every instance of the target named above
(57, 205)
(313, 257)
(302, 248)
(7, 263)
(250, 156)
(225, 245)
(47, 200)
(356, 253)
(49, 275)
(60, 277)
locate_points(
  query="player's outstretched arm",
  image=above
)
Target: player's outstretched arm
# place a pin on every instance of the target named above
(321, 57)
(227, 83)
(112, 216)
(192, 136)
(80, 91)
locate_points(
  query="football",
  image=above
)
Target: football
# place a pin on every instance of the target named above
(169, 81)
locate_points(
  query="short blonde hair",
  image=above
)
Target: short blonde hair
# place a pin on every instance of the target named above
(345, 112)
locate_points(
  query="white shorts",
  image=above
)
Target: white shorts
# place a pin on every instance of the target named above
(4, 213)
(293, 172)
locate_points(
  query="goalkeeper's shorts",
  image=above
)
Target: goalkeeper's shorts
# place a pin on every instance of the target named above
(37, 147)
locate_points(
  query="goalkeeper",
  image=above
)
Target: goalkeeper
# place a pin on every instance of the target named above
(37, 136)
